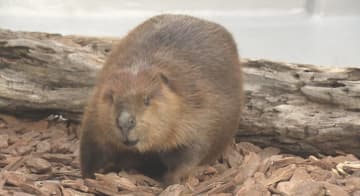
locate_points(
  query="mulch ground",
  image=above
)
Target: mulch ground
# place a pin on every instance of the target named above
(41, 158)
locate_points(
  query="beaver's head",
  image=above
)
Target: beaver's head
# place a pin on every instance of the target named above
(144, 109)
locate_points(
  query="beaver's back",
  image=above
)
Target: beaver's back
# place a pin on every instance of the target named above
(195, 48)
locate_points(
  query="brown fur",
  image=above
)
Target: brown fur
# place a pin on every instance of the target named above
(190, 70)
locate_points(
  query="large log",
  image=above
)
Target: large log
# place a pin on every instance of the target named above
(302, 109)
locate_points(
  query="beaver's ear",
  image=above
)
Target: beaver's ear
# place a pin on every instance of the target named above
(167, 81)
(164, 79)
(108, 96)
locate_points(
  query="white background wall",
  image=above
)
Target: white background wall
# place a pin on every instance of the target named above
(323, 32)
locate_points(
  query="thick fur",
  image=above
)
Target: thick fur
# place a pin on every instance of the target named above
(190, 68)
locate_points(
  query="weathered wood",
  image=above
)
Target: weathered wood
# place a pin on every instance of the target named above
(48, 73)
(299, 108)
(302, 108)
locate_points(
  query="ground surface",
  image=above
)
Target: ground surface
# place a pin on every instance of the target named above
(41, 158)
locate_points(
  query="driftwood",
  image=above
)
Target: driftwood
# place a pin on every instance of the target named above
(299, 108)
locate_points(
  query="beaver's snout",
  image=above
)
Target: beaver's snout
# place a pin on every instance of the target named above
(126, 122)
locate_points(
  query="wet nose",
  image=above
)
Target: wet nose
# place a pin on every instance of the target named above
(126, 122)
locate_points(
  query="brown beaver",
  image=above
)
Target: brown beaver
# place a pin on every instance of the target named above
(167, 100)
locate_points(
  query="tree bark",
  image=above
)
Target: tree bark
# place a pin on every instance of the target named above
(302, 109)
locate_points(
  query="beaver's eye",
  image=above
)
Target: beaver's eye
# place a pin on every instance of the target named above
(119, 104)
(147, 100)
(109, 97)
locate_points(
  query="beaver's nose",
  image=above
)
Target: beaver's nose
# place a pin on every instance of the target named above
(126, 122)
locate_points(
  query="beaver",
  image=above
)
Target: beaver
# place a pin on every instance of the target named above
(168, 99)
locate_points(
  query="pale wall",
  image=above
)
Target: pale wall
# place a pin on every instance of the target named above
(325, 32)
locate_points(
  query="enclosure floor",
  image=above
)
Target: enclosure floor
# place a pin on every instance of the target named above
(41, 158)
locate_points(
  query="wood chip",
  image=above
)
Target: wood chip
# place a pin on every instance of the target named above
(38, 165)
(225, 187)
(23, 150)
(72, 192)
(75, 184)
(348, 167)
(14, 178)
(232, 157)
(61, 158)
(173, 190)
(249, 166)
(308, 188)
(119, 182)
(31, 188)
(43, 147)
(333, 190)
(22, 194)
(281, 174)
(300, 175)
(4, 141)
(50, 188)
(250, 187)
(15, 163)
(215, 181)
(101, 187)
